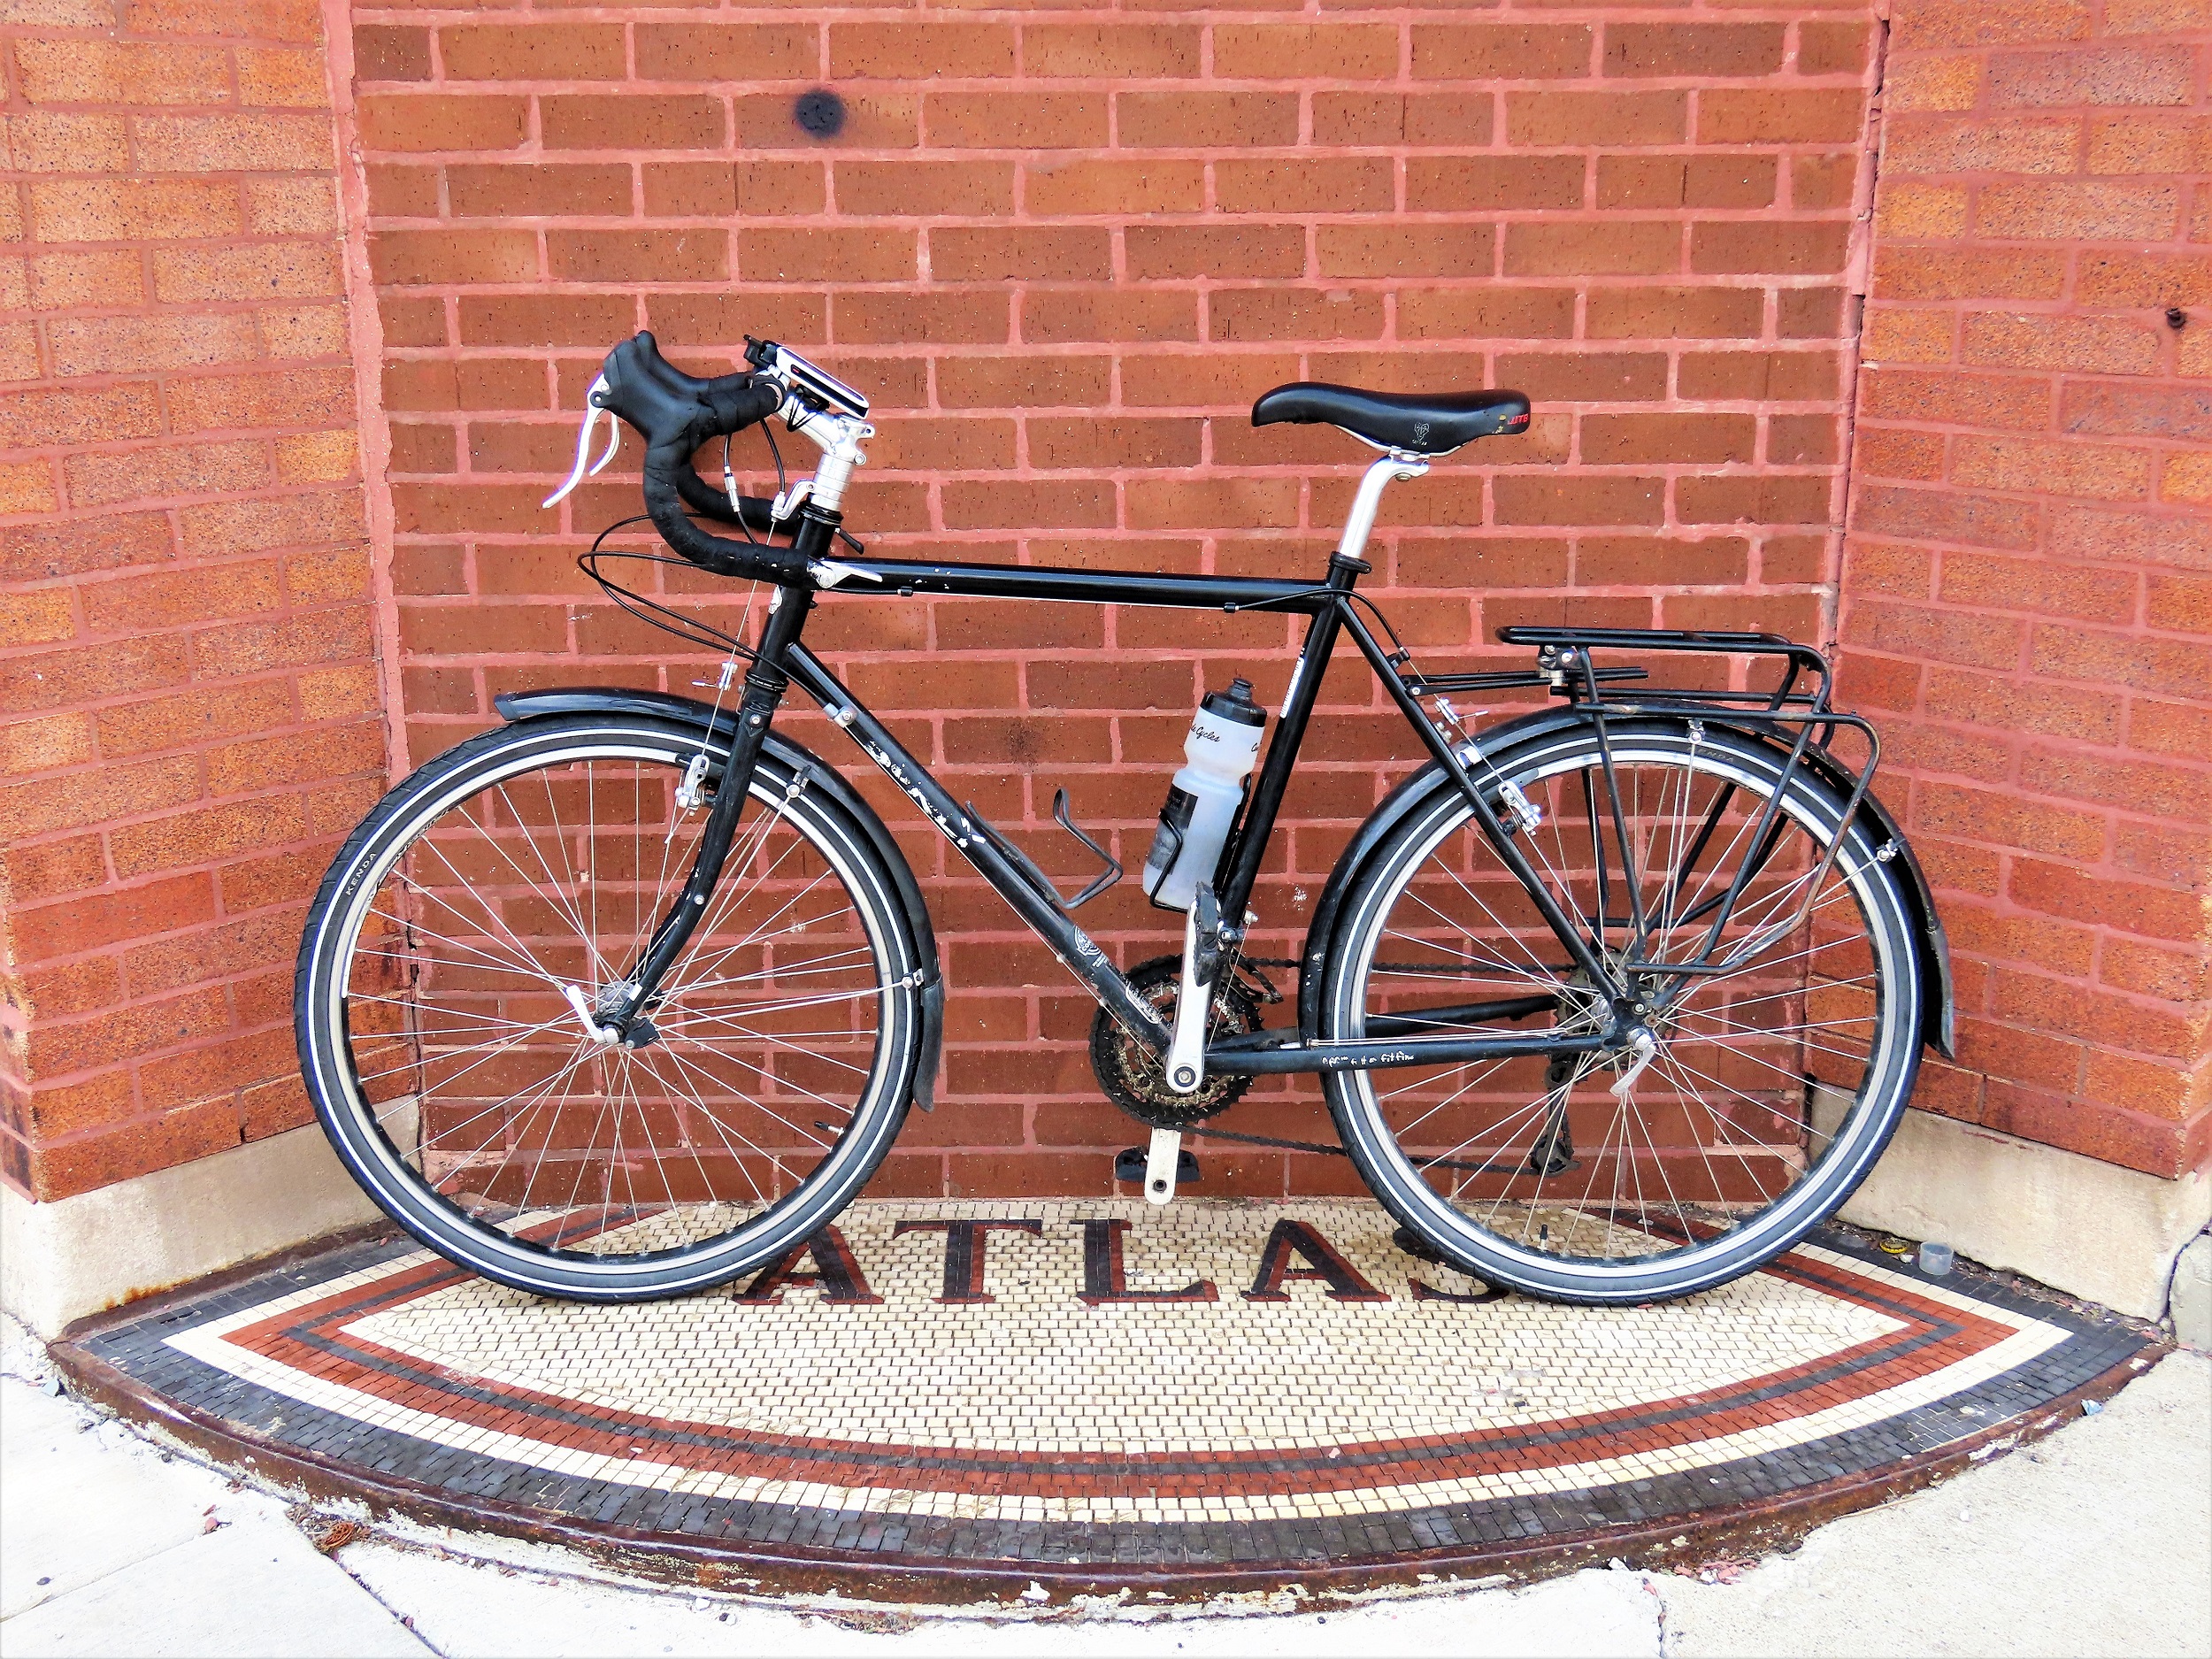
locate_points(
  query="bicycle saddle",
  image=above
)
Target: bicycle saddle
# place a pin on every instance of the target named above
(1417, 423)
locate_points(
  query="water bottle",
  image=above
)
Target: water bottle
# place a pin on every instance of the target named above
(1223, 744)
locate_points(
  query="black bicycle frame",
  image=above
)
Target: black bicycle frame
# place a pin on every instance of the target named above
(1329, 606)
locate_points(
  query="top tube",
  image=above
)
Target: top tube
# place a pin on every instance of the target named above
(904, 577)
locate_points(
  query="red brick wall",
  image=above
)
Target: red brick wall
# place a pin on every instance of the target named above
(186, 664)
(2027, 587)
(1064, 248)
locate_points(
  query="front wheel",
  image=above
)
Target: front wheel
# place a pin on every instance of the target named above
(1784, 999)
(524, 871)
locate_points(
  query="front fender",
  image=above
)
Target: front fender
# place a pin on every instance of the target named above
(1938, 1002)
(722, 723)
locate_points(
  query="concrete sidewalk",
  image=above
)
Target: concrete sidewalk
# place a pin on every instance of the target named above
(2096, 1541)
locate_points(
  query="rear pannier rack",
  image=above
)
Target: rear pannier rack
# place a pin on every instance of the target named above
(1498, 680)
(1564, 660)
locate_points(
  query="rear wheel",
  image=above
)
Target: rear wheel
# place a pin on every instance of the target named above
(524, 871)
(1779, 1072)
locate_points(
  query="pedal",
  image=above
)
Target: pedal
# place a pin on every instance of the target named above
(1130, 1161)
(1162, 1163)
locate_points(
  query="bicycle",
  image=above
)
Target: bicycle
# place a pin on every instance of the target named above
(1611, 1002)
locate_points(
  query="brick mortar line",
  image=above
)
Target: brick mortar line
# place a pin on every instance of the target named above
(224, 983)
(86, 769)
(124, 448)
(106, 379)
(125, 889)
(188, 632)
(275, 556)
(2110, 630)
(212, 242)
(185, 500)
(216, 868)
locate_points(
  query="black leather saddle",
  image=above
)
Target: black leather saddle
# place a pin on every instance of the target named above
(1417, 423)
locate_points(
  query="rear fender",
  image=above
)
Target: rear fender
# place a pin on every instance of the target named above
(1938, 1003)
(527, 705)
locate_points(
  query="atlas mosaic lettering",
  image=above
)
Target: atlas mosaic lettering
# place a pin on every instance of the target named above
(1156, 1421)
(827, 1263)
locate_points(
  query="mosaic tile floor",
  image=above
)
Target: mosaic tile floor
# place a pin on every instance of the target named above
(1098, 1391)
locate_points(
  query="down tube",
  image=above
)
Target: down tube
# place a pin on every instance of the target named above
(1077, 951)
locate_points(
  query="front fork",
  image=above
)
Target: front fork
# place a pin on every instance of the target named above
(619, 1014)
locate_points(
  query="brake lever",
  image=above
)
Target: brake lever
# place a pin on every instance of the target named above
(593, 410)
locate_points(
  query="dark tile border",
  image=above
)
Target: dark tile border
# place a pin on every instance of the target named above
(1748, 1503)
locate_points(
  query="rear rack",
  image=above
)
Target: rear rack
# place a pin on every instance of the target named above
(1799, 699)
(1562, 659)
(1503, 680)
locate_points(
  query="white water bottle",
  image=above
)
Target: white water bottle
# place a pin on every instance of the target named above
(1223, 744)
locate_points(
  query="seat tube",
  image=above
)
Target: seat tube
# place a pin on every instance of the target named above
(1240, 859)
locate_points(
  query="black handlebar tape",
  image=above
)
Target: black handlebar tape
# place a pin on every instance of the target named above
(754, 512)
(675, 413)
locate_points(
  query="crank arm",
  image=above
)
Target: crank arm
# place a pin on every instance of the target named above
(1203, 958)
(1160, 1161)
(1187, 1048)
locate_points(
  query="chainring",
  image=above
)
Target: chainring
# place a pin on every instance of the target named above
(1132, 1075)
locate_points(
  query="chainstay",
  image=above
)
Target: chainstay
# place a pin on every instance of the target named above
(1277, 1141)
(1200, 1128)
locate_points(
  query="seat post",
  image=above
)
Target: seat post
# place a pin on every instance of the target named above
(1395, 465)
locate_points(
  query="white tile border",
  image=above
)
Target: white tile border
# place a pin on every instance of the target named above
(210, 1343)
